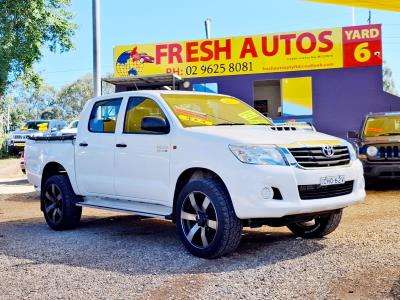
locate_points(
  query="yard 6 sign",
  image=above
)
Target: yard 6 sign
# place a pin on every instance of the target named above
(362, 46)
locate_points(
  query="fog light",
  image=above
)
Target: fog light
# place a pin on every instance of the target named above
(267, 193)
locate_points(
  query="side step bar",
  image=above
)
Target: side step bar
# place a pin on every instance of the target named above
(130, 207)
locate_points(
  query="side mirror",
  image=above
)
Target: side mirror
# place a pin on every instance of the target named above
(353, 134)
(155, 124)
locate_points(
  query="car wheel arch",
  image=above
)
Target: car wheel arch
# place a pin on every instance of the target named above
(49, 170)
(193, 174)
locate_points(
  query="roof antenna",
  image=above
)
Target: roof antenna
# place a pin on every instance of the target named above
(135, 85)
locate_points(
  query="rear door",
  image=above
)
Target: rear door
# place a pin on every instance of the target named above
(142, 163)
(95, 146)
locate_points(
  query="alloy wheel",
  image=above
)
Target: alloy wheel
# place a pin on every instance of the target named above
(53, 203)
(199, 220)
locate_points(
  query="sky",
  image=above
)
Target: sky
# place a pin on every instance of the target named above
(126, 22)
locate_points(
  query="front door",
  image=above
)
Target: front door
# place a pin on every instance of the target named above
(142, 157)
(95, 147)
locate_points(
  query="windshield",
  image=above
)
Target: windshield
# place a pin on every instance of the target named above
(36, 125)
(382, 126)
(212, 110)
(73, 124)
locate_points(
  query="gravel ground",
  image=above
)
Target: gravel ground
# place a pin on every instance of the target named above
(113, 256)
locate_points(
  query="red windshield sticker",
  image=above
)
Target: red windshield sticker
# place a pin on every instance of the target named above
(373, 129)
(191, 113)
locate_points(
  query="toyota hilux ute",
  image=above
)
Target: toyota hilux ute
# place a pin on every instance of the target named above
(378, 145)
(208, 162)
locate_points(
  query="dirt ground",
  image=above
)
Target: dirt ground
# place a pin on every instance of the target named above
(113, 256)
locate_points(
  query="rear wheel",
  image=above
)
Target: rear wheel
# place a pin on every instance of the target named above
(205, 219)
(59, 207)
(318, 227)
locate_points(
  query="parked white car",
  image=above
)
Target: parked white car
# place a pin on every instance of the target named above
(208, 162)
(72, 128)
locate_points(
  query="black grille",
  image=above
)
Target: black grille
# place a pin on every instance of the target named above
(313, 157)
(386, 153)
(317, 191)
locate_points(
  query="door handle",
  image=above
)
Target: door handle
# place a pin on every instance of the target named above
(83, 144)
(121, 145)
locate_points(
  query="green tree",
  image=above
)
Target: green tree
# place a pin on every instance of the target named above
(37, 100)
(25, 27)
(388, 82)
(52, 113)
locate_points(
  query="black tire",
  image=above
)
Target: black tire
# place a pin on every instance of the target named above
(371, 183)
(59, 207)
(211, 238)
(323, 225)
(13, 151)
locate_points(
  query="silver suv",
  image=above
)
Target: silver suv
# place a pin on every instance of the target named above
(16, 139)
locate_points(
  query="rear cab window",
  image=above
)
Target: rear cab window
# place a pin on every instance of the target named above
(104, 116)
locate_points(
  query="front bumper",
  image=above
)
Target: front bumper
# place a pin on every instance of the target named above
(16, 144)
(381, 170)
(247, 196)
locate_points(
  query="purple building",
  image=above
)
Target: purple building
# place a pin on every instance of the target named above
(339, 79)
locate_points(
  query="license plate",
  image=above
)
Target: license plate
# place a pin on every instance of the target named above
(330, 180)
(19, 144)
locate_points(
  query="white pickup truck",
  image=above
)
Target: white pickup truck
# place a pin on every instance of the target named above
(208, 162)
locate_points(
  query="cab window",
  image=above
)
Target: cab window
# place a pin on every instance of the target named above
(103, 117)
(138, 108)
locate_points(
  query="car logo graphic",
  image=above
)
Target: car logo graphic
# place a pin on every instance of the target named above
(328, 151)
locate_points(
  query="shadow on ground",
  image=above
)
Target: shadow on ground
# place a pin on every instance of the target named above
(21, 181)
(129, 245)
(23, 197)
(383, 185)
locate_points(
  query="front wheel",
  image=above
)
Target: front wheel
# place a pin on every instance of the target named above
(318, 227)
(205, 219)
(59, 207)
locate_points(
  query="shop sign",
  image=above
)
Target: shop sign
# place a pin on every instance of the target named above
(356, 46)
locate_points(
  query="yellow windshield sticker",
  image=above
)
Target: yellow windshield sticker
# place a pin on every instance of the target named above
(252, 117)
(229, 101)
(248, 115)
(42, 126)
(195, 120)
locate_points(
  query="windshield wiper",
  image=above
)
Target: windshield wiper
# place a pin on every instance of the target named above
(222, 124)
(390, 133)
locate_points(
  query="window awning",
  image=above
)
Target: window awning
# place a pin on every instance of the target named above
(391, 5)
(146, 81)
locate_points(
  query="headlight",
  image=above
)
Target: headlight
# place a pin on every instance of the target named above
(258, 154)
(372, 151)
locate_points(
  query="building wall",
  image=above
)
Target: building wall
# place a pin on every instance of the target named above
(341, 97)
